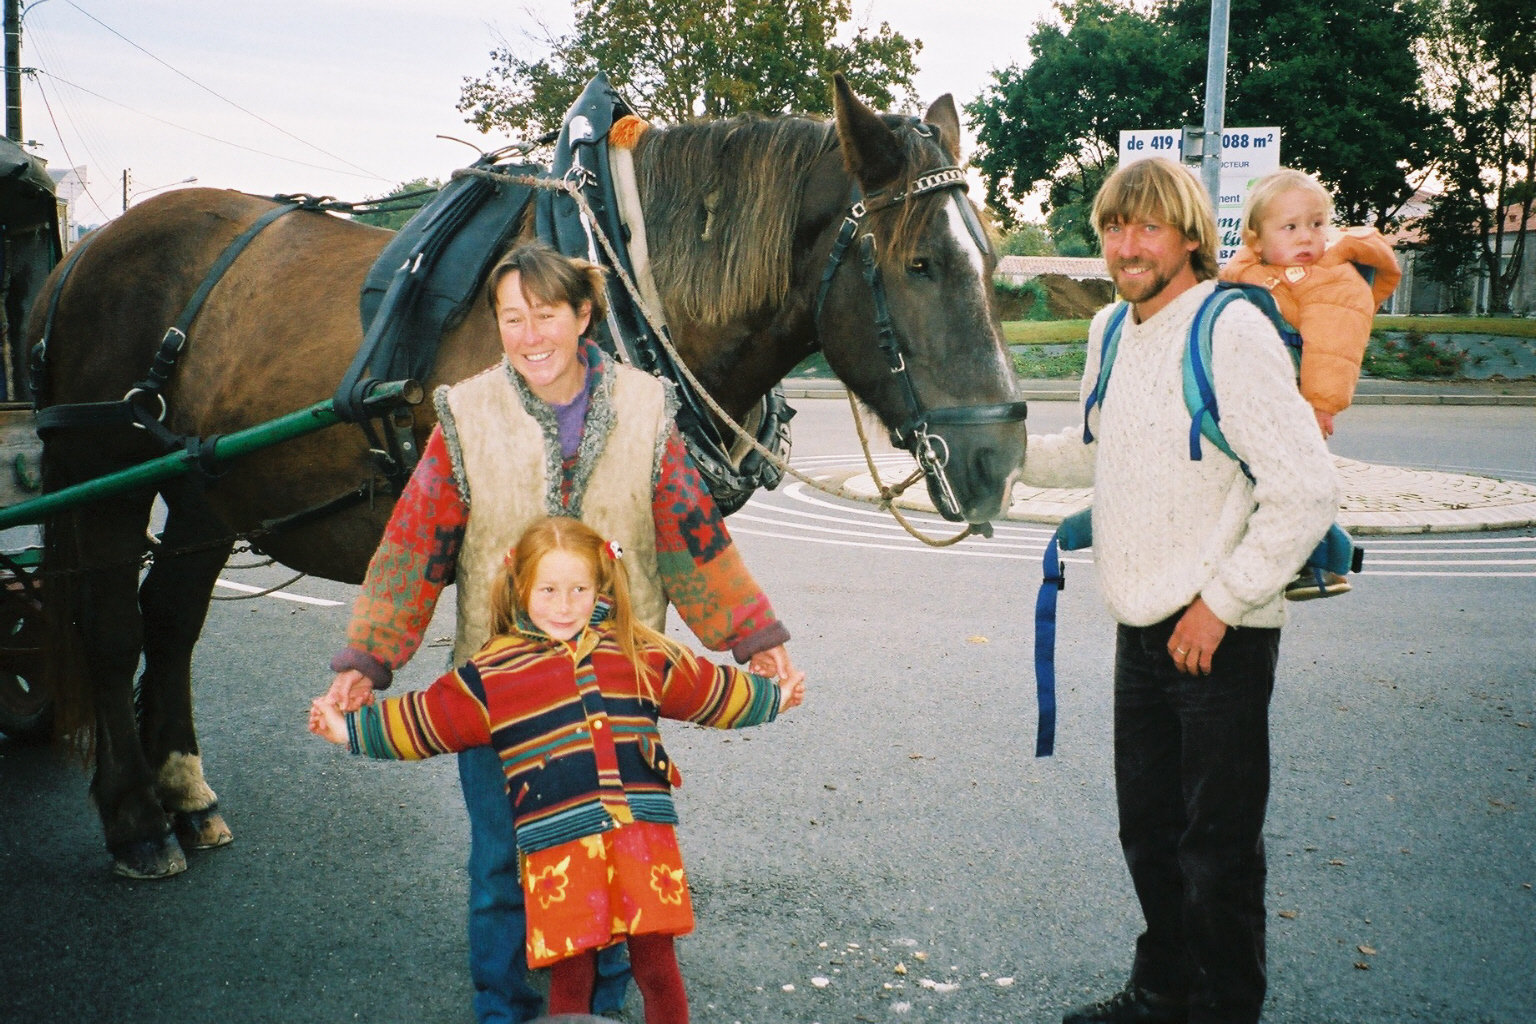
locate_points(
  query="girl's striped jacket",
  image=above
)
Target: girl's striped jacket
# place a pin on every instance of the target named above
(575, 727)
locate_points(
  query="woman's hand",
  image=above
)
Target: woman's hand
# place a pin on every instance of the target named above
(350, 690)
(773, 663)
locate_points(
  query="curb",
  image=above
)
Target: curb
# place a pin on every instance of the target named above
(1377, 499)
(1049, 391)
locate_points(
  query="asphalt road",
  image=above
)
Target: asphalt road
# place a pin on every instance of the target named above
(892, 851)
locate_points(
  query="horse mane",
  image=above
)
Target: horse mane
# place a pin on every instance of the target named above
(722, 200)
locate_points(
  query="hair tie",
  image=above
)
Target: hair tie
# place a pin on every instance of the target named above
(613, 550)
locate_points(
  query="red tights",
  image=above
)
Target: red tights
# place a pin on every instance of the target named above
(653, 958)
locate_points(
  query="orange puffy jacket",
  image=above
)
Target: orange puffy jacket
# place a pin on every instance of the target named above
(1330, 305)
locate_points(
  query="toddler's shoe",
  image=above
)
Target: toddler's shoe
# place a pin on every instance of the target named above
(1311, 584)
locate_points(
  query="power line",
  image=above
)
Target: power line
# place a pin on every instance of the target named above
(364, 172)
(84, 185)
(359, 173)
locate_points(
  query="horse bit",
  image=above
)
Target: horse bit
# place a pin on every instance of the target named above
(930, 449)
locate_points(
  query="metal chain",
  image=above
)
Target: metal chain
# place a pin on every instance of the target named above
(888, 495)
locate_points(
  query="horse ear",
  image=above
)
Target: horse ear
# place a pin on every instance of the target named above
(943, 116)
(871, 151)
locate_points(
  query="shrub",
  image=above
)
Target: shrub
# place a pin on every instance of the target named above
(1413, 356)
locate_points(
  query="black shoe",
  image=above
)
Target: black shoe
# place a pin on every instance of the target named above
(1131, 1005)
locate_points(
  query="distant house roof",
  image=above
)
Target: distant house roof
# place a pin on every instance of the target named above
(1018, 269)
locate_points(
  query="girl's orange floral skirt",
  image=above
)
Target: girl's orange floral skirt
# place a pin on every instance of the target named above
(597, 890)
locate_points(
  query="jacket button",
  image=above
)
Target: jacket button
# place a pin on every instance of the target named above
(597, 725)
(662, 763)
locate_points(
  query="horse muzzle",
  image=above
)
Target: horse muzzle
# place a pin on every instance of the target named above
(967, 481)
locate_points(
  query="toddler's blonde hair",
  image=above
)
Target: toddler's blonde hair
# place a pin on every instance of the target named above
(1273, 185)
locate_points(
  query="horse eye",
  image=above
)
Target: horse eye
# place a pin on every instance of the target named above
(919, 265)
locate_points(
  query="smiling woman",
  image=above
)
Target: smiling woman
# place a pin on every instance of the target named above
(544, 303)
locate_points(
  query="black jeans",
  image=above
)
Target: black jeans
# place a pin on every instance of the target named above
(1192, 781)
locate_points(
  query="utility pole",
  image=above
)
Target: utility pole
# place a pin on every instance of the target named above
(1215, 102)
(127, 177)
(13, 71)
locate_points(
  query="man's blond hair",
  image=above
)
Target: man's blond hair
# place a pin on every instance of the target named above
(1162, 191)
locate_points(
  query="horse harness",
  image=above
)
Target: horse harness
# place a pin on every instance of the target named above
(143, 405)
(913, 433)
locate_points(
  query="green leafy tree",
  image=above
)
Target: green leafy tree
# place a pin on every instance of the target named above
(1028, 240)
(1341, 78)
(1338, 76)
(682, 59)
(399, 204)
(1480, 61)
(1106, 68)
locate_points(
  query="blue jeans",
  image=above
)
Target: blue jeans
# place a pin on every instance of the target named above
(1192, 782)
(498, 958)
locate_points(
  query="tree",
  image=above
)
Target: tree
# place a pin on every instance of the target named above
(1059, 119)
(1341, 79)
(1028, 240)
(1338, 76)
(682, 59)
(1480, 60)
(399, 204)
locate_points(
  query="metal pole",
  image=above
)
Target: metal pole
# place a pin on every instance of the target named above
(1215, 102)
(13, 70)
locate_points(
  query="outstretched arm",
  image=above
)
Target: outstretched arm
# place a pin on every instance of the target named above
(415, 561)
(702, 571)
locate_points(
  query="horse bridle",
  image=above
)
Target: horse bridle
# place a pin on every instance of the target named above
(913, 434)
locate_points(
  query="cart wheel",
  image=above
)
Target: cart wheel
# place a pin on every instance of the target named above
(26, 705)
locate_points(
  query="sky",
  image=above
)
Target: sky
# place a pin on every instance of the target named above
(344, 98)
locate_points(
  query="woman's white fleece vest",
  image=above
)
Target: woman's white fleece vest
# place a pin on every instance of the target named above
(507, 466)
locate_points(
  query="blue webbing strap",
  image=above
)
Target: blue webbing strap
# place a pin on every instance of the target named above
(1053, 579)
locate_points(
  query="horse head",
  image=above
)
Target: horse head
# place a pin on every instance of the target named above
(904, 309)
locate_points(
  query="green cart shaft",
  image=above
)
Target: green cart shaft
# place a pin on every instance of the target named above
(230, 446)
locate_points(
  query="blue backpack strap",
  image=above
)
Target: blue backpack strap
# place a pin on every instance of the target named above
(1109, 345)
(1199, 389)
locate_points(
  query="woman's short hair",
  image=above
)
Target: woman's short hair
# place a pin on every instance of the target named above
(1270, 187)
(548, 277)
(1161, 190)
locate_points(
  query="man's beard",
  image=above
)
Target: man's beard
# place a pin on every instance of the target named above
(1141, 287)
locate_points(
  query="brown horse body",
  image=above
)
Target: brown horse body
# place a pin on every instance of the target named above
(739, 276)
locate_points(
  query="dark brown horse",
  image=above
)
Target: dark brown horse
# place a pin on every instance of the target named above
(743, 218)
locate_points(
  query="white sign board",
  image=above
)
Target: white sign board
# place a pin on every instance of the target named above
(1247, 154)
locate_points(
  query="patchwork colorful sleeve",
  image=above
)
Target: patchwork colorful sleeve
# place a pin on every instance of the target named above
(719, 696)
(442, 719)
(414, 561)
(701, 569)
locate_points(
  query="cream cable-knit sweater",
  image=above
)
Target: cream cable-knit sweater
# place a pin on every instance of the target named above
(1167, 528)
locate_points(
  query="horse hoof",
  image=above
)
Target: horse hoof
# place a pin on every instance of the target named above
(149, 858)
(202, 830)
